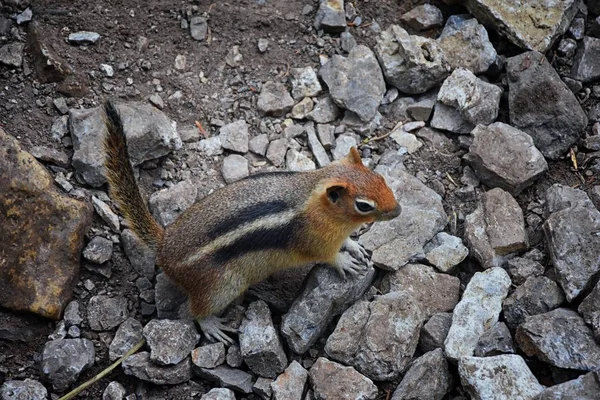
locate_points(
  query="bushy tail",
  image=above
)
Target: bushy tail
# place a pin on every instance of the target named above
(121, 179)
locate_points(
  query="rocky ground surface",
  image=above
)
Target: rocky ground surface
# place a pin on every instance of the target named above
(483, 117)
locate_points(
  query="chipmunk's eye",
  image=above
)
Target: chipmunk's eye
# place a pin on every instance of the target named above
(364, 206)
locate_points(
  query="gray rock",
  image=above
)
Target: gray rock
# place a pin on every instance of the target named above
(330, 16)
(428, 377)
(211, 146)
(445, 251)
(234, 57)
(99, 250)
(140, 366)
(413, 64)
(262, 387)
(296, 161)
(24, 16)
(465, 44)
(434, 332)
(567, 48)
(553, 125)
(422, 217)
(423, 17)
(259, 342)
(234, 357)
(11, 54)
(537, 295)
(586, 387)
(347, 41)
(277, 151)
(72, 315)
(378, 338)
(331, 380)
(521, 25)
(141, 257)
(477, 101)
(503, 377)
(83, 37)
(105, 313)
(219, 394)
(590, 310)
(209, 356)
(449, 119)
(290, 384)
(421, 110)
(505, 157)
(433, 291)
(560, 338)
(50, 155)
(304, 83)
(274, 100)
(302, 108)
(63, 360)
(343, 143)
(234, 168)
(167, 204)
(234, 379)
(355, 82)
(324, 111)
(198, 28)
(477, 311)
(586, 67)
(234, 136)
(158, 102)
(60, 128)
(324, 296)
(495, 341)
(127, 336)
(575, 265)
(104, 211)
(326, 135)
(406, 140)
(114, 391)
(496, 229)
(520, 269)
(315, 145)
(170, 341)
(61, 104)
(27, 389)
(560, 197)
(263, 45)
(259, 144)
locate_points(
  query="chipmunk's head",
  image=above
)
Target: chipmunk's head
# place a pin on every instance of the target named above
(354, 191)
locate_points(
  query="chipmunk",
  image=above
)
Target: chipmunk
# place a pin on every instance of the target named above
(246, 231)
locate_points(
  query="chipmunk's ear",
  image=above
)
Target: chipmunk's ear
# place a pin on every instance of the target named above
(335, 192)
(353, 157)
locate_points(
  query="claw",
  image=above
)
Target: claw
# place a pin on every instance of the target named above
(213, 328)
(347, 263)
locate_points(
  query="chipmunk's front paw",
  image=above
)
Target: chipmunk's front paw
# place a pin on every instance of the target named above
(213, 328)
(356, 250)
(345, 262)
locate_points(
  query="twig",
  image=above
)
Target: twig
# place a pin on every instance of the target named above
(451, 179)
(200, 128)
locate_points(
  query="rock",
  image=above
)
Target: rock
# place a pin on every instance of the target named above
(465, 44)
(300, 110)
(406, 140)
(516, 166)
(476, 101)
(423, 17)
(477, 311)
(43, 232)
(575, 265)
(378, 338)
(170, 341)
(495, 341)
(324, 111)
(83, 37)
(259, 342)
(141, 257)
(421, 110)
(343, 143)
(520, 269)
(107, 69)
(586, 387)
(496, 229)
(105, 313)
(259, 144)
(445, 252)
(567, 48)
(107, 215)
(586, 66)
(413, 64)
(326, 135)
(331, 380)
(355, 82)
(211, 146)
(234, 379)
(522, 25)
(449, 119)
(428, 377)
(347, 41)
(422, 217)
(24, 16)
(560, 197)
(263, 45)
(290, 384)
(234, 357)
(233, 57)
(315, 145)
(296, 161)
(11, 54)
(114, 391)
(560, 338)
(590, 310)
(27, 389)
(503, 377)
(219, 394)
(324, 296)
(277, 151)
(262, 387)
(167, 204)
(553, 125)
(234, 136)
(434, 332)
(99, 250)
(209, 356)
(140, 366)
(169, 297)
(72, 316)
(63, 360)
(198, 28)
(180, 61)
(434, 292)
(330, 16)
(158, 102)
(304, 83)
(48, 65)
(127, 336)
(274, 100)
(235, 167)
(537, 295)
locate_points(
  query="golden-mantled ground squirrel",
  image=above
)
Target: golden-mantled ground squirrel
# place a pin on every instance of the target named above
(244, 232)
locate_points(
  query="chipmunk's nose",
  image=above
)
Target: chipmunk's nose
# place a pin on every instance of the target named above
(392, 214)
